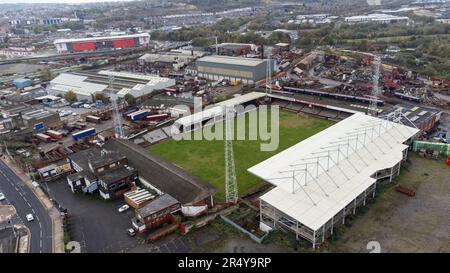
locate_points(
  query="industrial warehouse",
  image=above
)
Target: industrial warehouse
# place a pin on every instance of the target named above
(321, 180)
(87, 85)
(247, 70)
(101, 43)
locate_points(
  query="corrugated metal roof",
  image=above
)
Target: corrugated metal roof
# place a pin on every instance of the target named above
(232, 60)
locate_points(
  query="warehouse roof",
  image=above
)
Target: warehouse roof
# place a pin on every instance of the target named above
(139, 196)
(232, 60)
(412, 113)
(158, 204)
(115, 175)
(165, 176)
(95, 157)
(76, 83)
(57, 41)
(151, 79)
(316, 178)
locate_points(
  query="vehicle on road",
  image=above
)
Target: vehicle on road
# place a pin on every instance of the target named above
(123, 208)
(2, 196)
(30, 217)
(131, 232)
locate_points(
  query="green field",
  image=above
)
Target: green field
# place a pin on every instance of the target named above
(205, 159)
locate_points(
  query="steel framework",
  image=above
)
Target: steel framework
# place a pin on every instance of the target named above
(308, 170)
(118, 128)
(231, 191)
(375, 88)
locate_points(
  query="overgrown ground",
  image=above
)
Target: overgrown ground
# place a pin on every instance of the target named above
(401, 223)
(205, 159)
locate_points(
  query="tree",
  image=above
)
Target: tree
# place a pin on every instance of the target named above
(100, 96)
(46, 74)
(70, 96)
(130, 99)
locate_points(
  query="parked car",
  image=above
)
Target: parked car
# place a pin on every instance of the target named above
(2, 196)
(30, 217)
(131, 232)
(35, 184)
(123, 208)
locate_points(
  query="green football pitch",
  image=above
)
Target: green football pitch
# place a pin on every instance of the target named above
(205, 159)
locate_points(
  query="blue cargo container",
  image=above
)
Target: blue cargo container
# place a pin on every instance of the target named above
(83, 134)
(130, 110)
(138, 115)
(39, 126)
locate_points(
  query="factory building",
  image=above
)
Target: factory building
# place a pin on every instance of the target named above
(175, 59)
(232, 49)
(376, 18)
(325, 178)
(79, 84)
(424, 118)
(247, 70)
(101, 43)
(24, 115)
(86, 85)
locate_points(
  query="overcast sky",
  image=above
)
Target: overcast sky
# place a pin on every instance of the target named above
(56, 1)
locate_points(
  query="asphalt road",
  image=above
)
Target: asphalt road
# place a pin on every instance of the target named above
(25, 202)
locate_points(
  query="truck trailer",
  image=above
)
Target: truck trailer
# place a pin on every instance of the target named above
(43, 137)
(93, 119)
(83, 134)
(54, 134)
(138, 115)
(157, 117)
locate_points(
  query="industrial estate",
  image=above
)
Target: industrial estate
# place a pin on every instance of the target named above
(104, 112)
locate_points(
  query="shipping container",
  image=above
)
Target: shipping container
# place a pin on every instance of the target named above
(55, 134)
(82, 134)
(44, 137)
(156, 117)
(93, 119)
(130, 110)
(39, 126)
(79, 125)
(138, 115)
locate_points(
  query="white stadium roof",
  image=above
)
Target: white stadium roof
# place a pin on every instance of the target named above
(217, 109)
(241, 99)
(311, 187)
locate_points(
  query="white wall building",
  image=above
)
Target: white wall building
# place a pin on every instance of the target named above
(154, 82)
(376, 18)
(66, 82)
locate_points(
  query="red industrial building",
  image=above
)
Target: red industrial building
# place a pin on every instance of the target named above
(102, 43)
